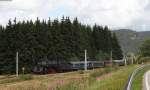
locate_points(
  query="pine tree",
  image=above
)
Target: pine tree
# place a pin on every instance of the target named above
(53, 40)
(116, 49)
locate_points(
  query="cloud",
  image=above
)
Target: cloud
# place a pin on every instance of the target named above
(115, 13)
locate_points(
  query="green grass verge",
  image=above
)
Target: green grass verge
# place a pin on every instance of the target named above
(98, 79)
(13, 79)
(138, 79)
(116, 80)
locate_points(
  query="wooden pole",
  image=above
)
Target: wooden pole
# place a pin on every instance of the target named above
(17, 64)
(85, 62)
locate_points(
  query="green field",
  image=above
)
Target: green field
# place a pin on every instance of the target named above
(99, 79)
(116, 81)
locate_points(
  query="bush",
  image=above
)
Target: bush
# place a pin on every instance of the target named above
(107, 70)
(96, 73)
(25, 77)
(102, 56)
(116, 67)
(75, 85)
(70, 86)
(9, 80)
(81, 72)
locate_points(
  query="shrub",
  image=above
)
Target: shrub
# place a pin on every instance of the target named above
(116, 67)
(96, 73)
(107, 70)
(9, 80)
(75, 85)
(25, 77)
(81, 72)
(70, 86)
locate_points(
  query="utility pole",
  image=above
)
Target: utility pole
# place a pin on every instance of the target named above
(132, 58)
(17, 64)
(125, 60)
(111, 58)
(85, 62)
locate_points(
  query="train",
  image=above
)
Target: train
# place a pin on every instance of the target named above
(58, 67)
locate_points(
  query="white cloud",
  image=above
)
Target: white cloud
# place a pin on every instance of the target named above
(115, 13)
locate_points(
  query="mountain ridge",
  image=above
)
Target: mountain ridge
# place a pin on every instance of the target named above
(130, 40)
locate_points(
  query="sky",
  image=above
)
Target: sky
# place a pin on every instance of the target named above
(117, 14)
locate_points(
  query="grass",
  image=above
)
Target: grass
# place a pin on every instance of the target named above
(115, 81)
(138, 79)
(37, 82)
(103, 71)
(12, 79)
(98, 79)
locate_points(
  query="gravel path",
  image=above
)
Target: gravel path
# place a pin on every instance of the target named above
(146, 81)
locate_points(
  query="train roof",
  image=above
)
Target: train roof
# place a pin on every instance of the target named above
(118, 60)
(76, 62)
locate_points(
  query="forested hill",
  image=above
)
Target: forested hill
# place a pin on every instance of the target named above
(58, 40)
(130, 40)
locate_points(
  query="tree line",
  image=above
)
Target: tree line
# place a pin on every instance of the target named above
(54, 40)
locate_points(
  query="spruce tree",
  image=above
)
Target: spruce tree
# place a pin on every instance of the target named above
(116, 49)
(51, 40)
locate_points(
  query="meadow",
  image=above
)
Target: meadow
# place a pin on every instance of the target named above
(138, 79)
(114, 78)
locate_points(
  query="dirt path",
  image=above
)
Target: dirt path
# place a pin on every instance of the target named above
(146, 81)
(103, 76)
